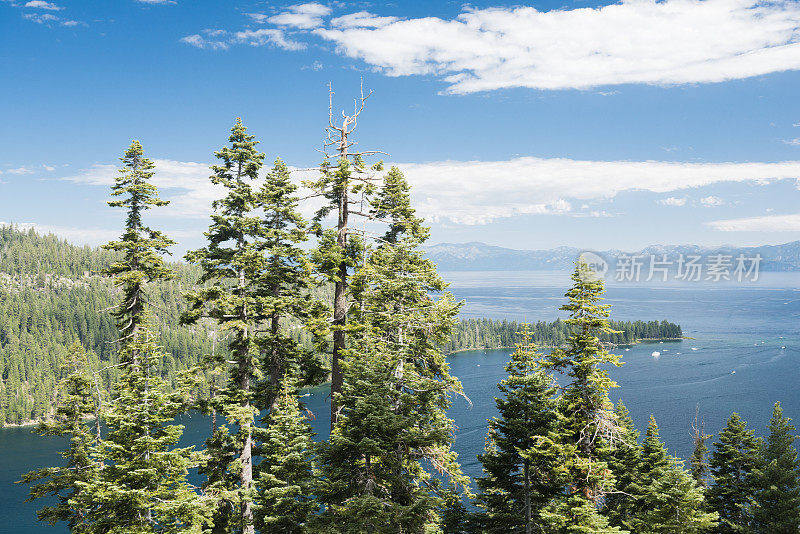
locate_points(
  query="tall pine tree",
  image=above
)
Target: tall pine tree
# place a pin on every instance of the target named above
(777, 481)
(285, 503)
(233, 295)
(667, 499)
(589, 424)
(65, 483)
(523, 458)
(620, 505)
(392, 433)
(733, 464)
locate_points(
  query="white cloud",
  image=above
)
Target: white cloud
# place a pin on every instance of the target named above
(21, 170)
(362, 19)
(633, 41)
(767, 223)
(222, 39)
(793, 142)
(711, 201)
(70, 23)
(40, 18)
(41, 4)
(301, 16)
(156, 1)
(673, 201)
(478, 192)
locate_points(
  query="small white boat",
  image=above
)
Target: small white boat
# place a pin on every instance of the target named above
(656, 354)
(783, 347)
(733, 372)
(695, 348)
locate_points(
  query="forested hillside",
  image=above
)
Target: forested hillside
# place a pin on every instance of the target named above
(52, 293)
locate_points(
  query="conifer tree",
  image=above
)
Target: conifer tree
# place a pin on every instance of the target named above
(620, 506)
(667, 498)
(285, 285)
(393, 425)
(233, 264)
(777, 481)
(733, 465)
(344, 177)
(589, 424)
(76, 403)
(142, 485)
(523, 454)
(284, 504)
(699, 460)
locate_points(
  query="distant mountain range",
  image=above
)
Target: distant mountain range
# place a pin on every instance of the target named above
(476, 256)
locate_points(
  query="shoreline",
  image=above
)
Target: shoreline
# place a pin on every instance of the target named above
(637, 342)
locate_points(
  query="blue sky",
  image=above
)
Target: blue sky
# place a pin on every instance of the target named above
(528, 126)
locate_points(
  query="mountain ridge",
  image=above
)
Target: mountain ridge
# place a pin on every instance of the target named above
(478, 256)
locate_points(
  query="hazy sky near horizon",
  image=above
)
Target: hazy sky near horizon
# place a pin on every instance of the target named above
(535, 125)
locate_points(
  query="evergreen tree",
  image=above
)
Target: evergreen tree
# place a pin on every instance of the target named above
(667, 498)
(777, 481)
(396, 390)
(284, 503)
(733, 464)
(142, 486)
(75, 404)
(285, 285)
(344, 177)
(589, 424)
(620, 506)
(523, 456)
(699, 459)
(233, 265)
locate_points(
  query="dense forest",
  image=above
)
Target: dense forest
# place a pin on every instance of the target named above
(489, 334)
(53, 293)
(375, 318)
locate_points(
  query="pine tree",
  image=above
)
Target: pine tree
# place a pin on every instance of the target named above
(142, 485)
(620, 506)
(667, 499)
(344, 176)
(589, 424)
(733, 464)
(523, 454)
(233, 264)
(699, 459)
(396, 390)
(285, 287)
(777, 481)
(284, 504)
(76, 403)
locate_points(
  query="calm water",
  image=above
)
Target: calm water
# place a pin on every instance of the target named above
(745, 355)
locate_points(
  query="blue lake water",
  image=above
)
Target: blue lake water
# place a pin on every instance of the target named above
(745, 355)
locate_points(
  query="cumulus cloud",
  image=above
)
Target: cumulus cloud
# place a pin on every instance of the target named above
(301, 16)
(41, 4)
(222, 39)
(633, 41)
(362, 19)
(711, 201)
(40, 18)
(673, 201)
(479, 192)
(766, 223)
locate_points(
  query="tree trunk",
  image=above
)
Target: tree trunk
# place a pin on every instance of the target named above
(526, 473)
(339, 309)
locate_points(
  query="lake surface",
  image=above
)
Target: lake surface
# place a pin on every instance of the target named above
(745, 355)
